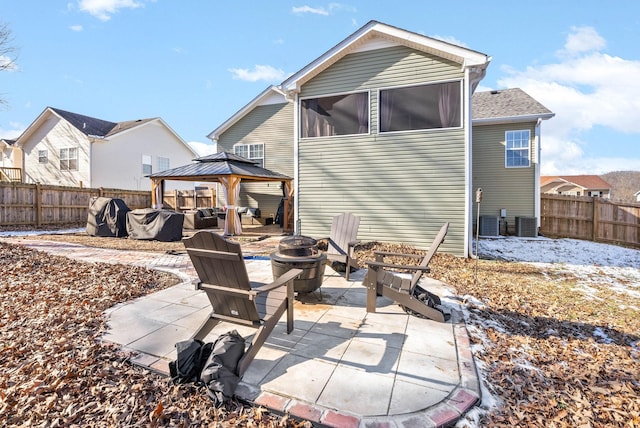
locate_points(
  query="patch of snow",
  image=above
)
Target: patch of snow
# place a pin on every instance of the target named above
(40, 232)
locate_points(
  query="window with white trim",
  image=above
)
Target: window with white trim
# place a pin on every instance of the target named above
(43, 156)
(254, 152)
(147, 166)
(421, 107)
(69, 159)
(163, 163)
(345, 114)
(517, 151)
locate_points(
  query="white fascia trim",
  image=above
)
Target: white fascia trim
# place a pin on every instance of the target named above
(215, 134)
(513, 119)
(466, 57)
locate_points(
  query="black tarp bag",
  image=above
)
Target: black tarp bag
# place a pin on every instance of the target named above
(220, 372)
(192, 355)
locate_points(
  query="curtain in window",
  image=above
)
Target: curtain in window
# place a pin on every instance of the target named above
(363, 113)
(447, 104)
(310, 118)
(386, 108)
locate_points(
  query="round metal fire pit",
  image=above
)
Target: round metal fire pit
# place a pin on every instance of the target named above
(300, 252)
(298, 246)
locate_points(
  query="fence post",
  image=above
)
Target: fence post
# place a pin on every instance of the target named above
(596, 218)
(38, 205)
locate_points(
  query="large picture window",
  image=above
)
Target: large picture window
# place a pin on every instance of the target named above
(436, 105)
(346, 114)
(517, 149)
(254, 152)
(69, 159)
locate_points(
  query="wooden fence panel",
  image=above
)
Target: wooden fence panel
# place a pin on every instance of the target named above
(38, 204)
(590, 218)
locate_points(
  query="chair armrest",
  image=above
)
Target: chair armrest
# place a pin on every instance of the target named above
(376, 265)
(282, 280)
(390, 253)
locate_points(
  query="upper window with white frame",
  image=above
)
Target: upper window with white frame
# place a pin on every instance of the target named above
(43, 156)
(69, 159)
(517, 152)
(163, 163)
(346, 114)
(412, 108)
(254, 152)
(147, 166)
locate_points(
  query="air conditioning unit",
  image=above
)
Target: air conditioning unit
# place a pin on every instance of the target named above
(527, 227)
(489, 225)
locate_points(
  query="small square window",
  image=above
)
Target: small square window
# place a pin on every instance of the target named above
(43, 156)
(517, 149)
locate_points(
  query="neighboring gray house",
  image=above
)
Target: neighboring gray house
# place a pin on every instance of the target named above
(381, 125)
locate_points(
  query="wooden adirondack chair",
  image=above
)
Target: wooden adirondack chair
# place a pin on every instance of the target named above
(342, 240)
(405, 291)
(234, 298)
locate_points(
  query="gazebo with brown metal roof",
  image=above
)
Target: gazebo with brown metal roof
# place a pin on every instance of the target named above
(229, 170)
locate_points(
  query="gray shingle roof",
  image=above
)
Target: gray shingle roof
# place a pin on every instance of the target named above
(97, 127)
(505, 103)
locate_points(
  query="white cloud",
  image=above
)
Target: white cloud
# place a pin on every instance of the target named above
(309, 9)
(7, 64)
(585, 88)
(77, 28)
(16, 129)
(450, 39)
(333, 7)
(103, 9)
(202, 149)
(259, 72)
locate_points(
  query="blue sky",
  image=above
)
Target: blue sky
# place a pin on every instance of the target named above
(195, 63)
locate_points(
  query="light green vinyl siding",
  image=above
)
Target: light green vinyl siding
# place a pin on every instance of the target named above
(403, 185)
(272, 125)
(509, 188)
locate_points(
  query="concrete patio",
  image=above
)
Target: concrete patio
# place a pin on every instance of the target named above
(340, 367)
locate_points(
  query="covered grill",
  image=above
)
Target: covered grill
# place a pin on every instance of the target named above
(300, 252)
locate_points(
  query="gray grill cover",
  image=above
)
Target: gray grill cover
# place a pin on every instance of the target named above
(107, 217)
(161, 225)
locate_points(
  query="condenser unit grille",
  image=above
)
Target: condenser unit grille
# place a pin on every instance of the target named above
(489, 226)
(527, 226)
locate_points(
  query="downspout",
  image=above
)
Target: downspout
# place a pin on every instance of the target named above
(468, 167)
(296, 163)
(537, 172)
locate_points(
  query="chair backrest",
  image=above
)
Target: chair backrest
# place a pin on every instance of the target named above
(430, 253)
(219, 262)
(344, 229)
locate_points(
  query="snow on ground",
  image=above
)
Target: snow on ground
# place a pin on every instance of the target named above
(39, 232)
(589, 262)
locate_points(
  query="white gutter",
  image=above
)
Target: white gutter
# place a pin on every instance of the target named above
(469, 164)
(536, 191)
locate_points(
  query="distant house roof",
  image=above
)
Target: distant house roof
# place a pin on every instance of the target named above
(97, 127)
(507, 105)
(584, 181)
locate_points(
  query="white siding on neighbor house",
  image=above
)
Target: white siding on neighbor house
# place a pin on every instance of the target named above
(509, 188)
(117, 162)
(53, 135)
(403, 185)
(271, 124)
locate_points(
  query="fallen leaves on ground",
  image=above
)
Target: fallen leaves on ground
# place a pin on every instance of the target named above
(55, 372)
(553, 355)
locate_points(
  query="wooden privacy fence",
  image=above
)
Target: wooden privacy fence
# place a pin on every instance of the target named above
(40, 204)
(590, 218)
